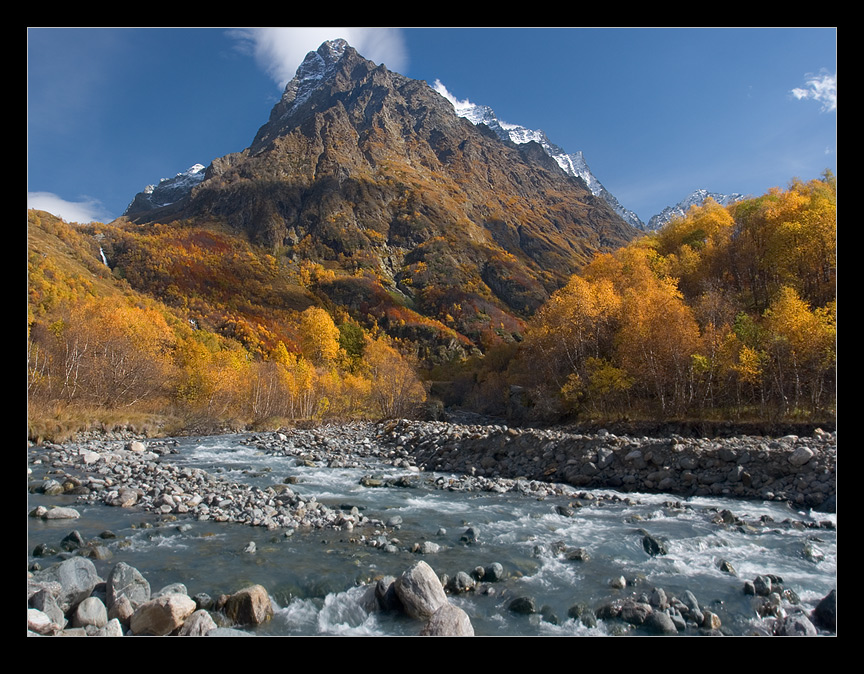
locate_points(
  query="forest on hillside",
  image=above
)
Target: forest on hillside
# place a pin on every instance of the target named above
(728, 312)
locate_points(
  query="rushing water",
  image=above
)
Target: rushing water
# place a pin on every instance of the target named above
(315, 578)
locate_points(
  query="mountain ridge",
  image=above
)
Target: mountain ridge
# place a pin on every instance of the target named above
(695, 198)
(322, 63)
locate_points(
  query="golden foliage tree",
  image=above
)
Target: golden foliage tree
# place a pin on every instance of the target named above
(111, 353)
(802, 348)
(396, 390)
(319, 336)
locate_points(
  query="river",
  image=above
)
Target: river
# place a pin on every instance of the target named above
(316, 577)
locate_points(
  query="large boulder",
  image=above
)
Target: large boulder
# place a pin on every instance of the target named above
(126, 581)
(76, 577)
(91, 611)
(249, 606)
(825, 613)
(61, 513)
(198, 624)
(161, 616)
(40, 622)
(448, 621)
(420, 591)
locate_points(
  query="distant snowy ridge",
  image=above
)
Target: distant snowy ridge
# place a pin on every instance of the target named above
(573, 164)
(168, 191)
(695, 198)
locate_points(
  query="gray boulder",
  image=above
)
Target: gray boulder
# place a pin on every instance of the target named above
(796, 625)
(91, 611)
(40, 623)
(825, 613)
(420, 591)
(126, 581)
(61, 514)
(76, 577)
(660, 622)
(448, 621)
(198, 624)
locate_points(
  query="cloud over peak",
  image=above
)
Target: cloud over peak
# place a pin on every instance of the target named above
(279, 51)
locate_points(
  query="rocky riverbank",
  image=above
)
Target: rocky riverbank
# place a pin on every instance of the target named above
(71, 599)
(800, 470)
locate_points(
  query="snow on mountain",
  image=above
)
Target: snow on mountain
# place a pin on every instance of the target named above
(168, 191)
(695, 198)
(573, 164)
(315, 68)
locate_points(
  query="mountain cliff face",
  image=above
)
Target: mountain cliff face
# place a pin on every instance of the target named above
(369, 172)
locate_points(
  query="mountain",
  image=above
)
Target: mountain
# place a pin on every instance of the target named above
(167, 192)
(376, 177)
(573, 164)
(695, 198)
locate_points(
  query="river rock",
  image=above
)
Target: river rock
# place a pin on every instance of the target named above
(72, 541)
(91, 611)
(523, 605)
(420, 591)
(126, 581)
(61, 514)
(493, 573)
(801, 455)
(653, 545)
(112, 628)
(76, 577)
(448, 621)
(45, 599)
(795, 624)
(161, 616)
(40, 622)
(660, 622)
(584, 614)
(198, 624)
(121, 610)
(825, 613)
(249, 606)
(173, 588)
(461, 582)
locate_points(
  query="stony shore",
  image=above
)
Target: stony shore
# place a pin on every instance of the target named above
(801, 470)
(71, 599)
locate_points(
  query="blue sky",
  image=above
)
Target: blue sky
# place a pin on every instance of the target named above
(657, 113)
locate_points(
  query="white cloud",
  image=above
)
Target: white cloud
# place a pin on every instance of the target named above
(86, 210)
(441, 89)
(821, 88)
(279, 51)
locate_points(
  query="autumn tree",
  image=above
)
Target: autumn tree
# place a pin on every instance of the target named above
(657, 340)
(396, 390)
(110, 352)
(319, 336)
(802, 349)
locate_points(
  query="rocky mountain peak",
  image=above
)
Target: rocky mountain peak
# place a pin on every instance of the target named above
(334, 67)
(363, 169)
